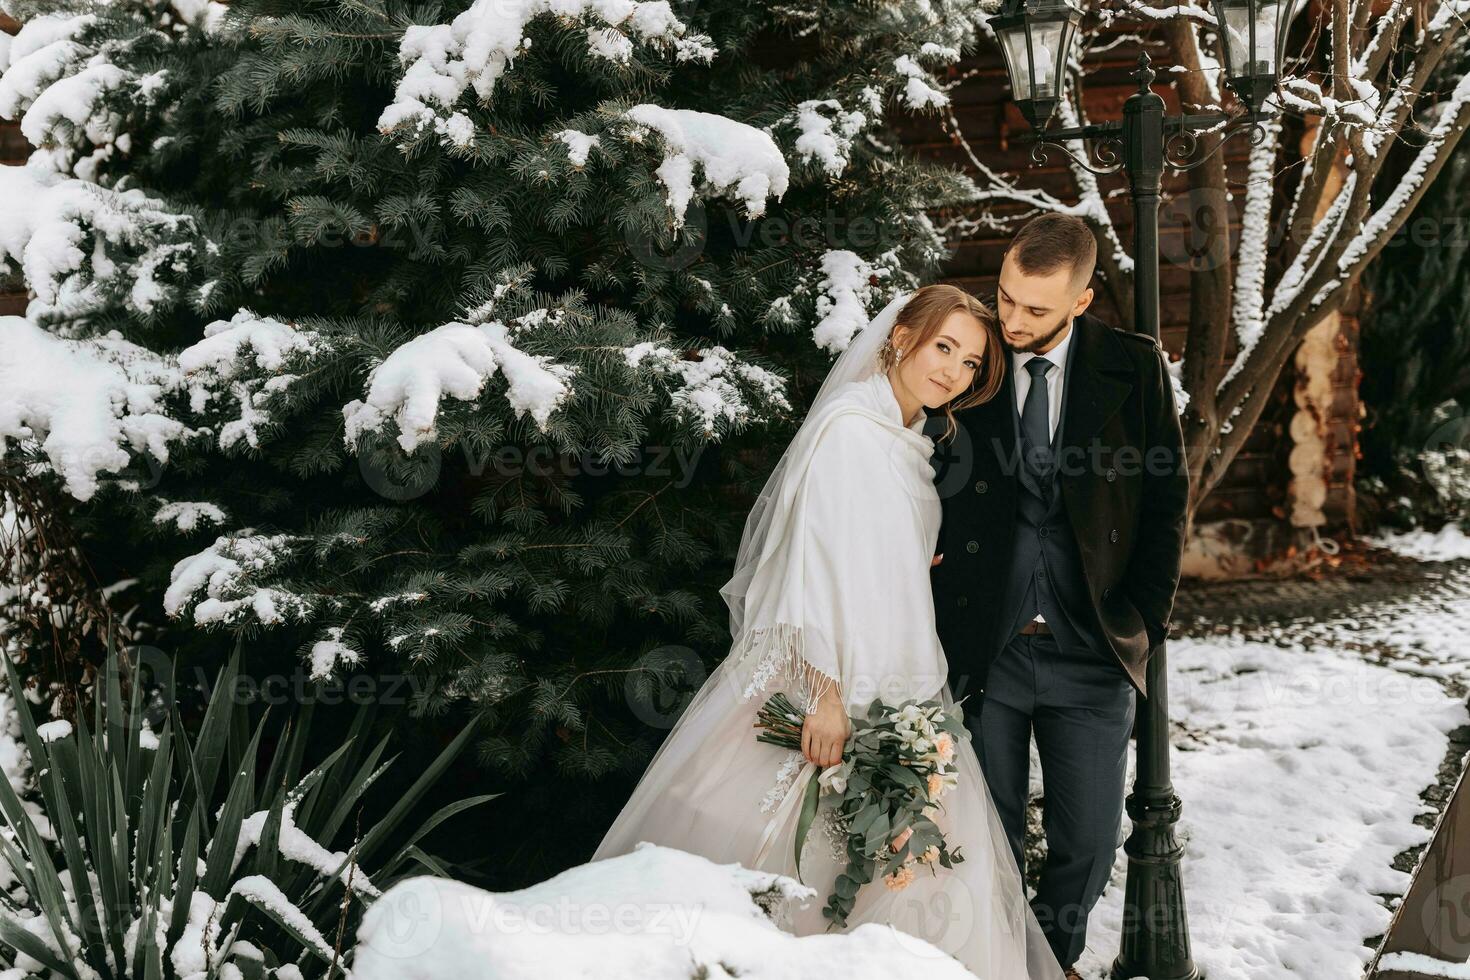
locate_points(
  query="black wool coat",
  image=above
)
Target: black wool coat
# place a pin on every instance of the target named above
(1124, 483)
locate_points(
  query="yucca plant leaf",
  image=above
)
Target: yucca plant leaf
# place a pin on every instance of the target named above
(209, 750)
(354, 790)
(435, 868)
(153, 812)
(332, 786)
(138, 762)
(286, 762)
(460, 806)
(219, 864)
(47, 884)
(189, 777)
(266, 860)
(238, 742)
(187, 878)
(14, 934)
(263, 895)
(63, 769)
(379, 835)
(94, 780)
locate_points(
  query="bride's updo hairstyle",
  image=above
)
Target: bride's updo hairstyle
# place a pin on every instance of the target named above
(925, 313)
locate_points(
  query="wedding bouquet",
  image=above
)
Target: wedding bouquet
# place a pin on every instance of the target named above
(897, 763)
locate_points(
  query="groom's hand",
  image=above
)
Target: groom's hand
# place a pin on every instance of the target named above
(936, 560)
(824, 731)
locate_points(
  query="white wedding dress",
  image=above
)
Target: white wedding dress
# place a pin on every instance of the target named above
(834, 590)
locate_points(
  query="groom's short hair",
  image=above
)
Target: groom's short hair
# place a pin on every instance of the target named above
(1053, 241)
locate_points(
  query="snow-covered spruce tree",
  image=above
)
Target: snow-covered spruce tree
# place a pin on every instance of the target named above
(1309, 224)
(480, 322)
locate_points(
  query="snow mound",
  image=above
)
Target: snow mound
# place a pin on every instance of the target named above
(655, 914)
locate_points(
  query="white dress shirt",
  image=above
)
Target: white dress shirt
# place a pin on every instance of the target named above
(1054, 374)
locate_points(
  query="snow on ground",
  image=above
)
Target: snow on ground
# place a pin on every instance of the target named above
(654, 914)
(1300, 771)
(1447, 544)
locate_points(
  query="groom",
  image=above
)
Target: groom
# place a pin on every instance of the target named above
(1064, 510)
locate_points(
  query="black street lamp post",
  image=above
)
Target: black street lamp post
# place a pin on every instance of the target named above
(1036, 38)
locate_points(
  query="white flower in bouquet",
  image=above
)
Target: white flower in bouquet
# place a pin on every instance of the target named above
(833, 779)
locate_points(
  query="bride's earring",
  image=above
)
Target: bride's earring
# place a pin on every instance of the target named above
(888, 355)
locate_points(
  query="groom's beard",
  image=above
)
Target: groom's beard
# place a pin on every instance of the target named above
(1042, 341)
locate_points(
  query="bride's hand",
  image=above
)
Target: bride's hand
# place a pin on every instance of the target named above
(824, 731)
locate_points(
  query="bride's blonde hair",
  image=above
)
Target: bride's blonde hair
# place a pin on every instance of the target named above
(924, 314)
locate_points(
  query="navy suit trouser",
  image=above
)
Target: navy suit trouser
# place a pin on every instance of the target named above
(1081, 707)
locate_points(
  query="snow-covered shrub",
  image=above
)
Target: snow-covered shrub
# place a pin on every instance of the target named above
(142, 866)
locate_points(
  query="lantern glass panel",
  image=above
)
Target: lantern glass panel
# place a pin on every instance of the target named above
(1245, 62)
(1041, 65)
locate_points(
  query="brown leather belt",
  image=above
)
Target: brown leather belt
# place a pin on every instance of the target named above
(1033, 627)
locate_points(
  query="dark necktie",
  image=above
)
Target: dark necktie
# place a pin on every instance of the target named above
(1036, 424)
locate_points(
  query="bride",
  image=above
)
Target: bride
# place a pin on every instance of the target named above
(830, 602)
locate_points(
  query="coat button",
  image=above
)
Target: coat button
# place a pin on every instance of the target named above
(1113, 535)
(1043, 531)
(962, 601)
(981, 486)
(1112, 474)
(972, 547)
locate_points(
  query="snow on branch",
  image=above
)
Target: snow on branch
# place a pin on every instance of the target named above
(454, 361)
(247, 360)
(1253, 251)
(713, 387)
(845, 293)
(826, 130)
(81, 247)
(88, 404)
(188, 515)
(995, 187)
(64, 83)
(1133, 9)
(477, 48)
(1370, 235)
(220, 583)
(733, 158)
(919, 92)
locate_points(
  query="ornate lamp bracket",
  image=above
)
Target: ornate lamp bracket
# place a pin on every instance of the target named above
(1181, 148)
(1103, 145)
